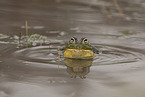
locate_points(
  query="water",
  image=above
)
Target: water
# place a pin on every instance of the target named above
(36, 69)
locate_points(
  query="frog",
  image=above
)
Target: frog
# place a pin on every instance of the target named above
(79, 49)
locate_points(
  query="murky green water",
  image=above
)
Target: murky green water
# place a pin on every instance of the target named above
(33, 68)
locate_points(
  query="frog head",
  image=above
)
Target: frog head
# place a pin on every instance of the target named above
(76, 49)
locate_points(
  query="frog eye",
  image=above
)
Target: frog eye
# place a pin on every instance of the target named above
(84, 40)
(73, 40)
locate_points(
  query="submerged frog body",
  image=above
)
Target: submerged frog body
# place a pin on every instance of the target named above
(82, 49)
(76, 67)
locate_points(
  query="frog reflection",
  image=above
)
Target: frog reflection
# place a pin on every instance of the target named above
(78, 67)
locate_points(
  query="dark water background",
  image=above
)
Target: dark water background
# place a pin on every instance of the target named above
(118, 71)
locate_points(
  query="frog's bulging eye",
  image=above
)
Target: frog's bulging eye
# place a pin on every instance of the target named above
(73, 40)
(85, 40)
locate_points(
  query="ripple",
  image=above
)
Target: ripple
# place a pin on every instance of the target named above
(110, 54)
(39, 54)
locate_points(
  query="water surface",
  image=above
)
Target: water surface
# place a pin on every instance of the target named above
(38, 70)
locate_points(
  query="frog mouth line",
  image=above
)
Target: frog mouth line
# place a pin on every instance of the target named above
(80, 49)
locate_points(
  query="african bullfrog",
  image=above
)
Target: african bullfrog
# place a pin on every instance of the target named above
(82, 49)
